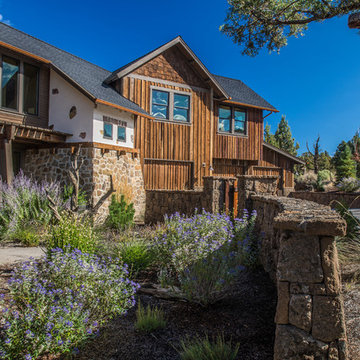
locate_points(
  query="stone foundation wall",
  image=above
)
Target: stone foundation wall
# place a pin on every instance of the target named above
(53, 165)
(325, 198)
(299, 251)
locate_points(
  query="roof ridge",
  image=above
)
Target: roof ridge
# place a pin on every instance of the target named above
(55, 47)
(226, 77)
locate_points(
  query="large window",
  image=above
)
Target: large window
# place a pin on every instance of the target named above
(9, 83)
(170, 105)
(108, 130)
(121, 133)
(232, 120)
(31, 76)
(11, 75)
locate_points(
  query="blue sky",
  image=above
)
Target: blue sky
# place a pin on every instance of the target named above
(315, 81)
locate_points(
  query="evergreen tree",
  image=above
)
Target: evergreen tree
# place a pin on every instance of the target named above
(284, 139)
(344, 163)
(269, 137)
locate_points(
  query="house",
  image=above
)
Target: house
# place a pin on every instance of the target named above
(163, 121)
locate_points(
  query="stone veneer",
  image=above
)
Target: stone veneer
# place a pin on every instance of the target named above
(299, 251)
(52, 164)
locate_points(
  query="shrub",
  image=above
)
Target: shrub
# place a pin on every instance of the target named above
(306, 181)
(121, 214)
(59, 302)
(68, 192)
(349, 184)
(72, 232)
(136, 254)
(149, 319)
(206, 350)
(28, 235)
(203, 254)
(25, 201)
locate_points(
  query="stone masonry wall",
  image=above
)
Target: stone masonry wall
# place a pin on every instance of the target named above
(299, 252)
(325, 198)
(53, 165)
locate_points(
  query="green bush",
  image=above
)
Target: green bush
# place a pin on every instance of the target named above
(29, 235)
(206, 350)
(121, 214)
(149, 319)
(68, 192)
(72, 232)
(60, 301)
(136, 254)
(349, 184)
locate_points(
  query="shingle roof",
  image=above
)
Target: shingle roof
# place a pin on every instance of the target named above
(87, 75)
(241, 93)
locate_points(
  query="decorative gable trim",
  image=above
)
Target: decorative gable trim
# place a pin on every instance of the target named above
(193, 61)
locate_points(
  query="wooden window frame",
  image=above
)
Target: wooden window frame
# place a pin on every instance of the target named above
(232, 121)
(19, 84)
(171, 93)
(112, 130)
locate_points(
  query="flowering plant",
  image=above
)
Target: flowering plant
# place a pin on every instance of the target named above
(60, 301)
(204, 254)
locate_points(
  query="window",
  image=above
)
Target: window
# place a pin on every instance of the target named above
(160, 104)
(121, 136)
(232, 120)
(31, 79)
(181, 107)
(108, 130)
(170, 105)
(9, 83)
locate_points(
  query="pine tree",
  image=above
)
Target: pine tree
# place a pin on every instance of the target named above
(269, 137)
(284, 139)
(344, 163)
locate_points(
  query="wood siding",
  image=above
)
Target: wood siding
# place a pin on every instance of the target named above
(226, 167)
(42, 119)
(247, 147)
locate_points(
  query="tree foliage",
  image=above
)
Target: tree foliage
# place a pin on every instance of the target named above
(282, 138)
(344, 163)
(256, 24)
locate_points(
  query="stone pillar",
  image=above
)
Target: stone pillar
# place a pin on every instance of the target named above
(301, 246)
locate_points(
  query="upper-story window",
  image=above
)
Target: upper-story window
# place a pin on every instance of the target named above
(108, 130)
(9, 83)
(170, 105)
(11, 72)
(232, 120)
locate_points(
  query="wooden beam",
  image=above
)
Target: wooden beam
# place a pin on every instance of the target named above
(6, 160)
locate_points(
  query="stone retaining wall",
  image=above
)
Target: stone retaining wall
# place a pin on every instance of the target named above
(299, 252)
(53, 164)
(325, 198)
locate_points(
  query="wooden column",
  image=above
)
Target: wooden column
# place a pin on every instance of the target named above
(6, 155)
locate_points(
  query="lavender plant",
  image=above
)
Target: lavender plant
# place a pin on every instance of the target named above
(60, 301)
(25, 202)
(204, 254)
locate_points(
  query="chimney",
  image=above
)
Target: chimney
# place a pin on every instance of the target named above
(354, 21)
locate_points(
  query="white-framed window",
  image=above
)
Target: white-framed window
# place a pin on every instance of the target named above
(232, 120)
(108, 130)
(170, 105)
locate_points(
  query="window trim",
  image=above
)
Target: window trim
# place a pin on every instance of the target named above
(37, 88)
(232, 121)
(112, 130)
(117, 135)
(171, 93)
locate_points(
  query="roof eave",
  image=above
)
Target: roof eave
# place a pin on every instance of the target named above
(230, 101)
(285, 153)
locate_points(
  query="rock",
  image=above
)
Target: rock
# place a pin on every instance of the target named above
(328, 318)
(292, 343)
(333, 351)
(299, 259)
(300, 311)
(330, 265)
(282, 309)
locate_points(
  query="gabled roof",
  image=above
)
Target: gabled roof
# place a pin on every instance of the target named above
(85, 75)
(241, 94)
(285, 153)
(181, 44)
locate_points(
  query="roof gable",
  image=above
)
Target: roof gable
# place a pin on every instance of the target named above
(180, 44)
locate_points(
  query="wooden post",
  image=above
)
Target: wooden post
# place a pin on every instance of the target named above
(227, 190)
(236, 198)
(6, 164)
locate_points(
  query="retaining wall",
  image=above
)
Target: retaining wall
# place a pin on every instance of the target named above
(299, 251)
